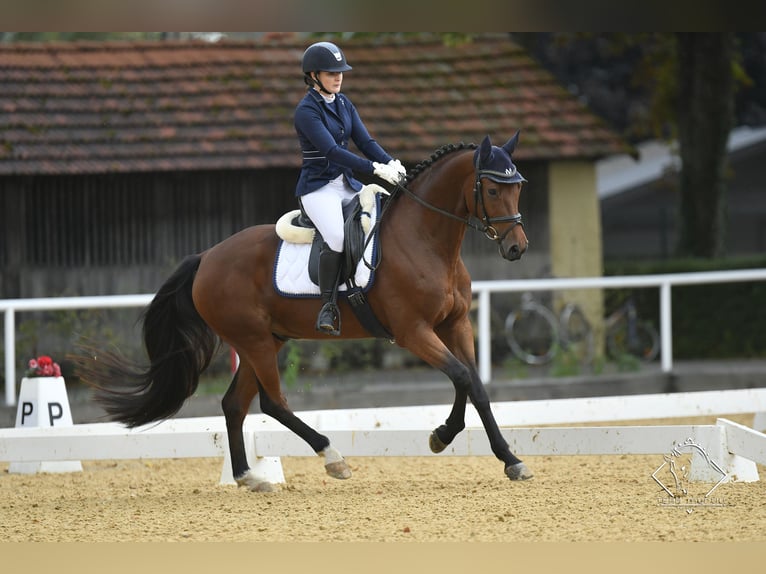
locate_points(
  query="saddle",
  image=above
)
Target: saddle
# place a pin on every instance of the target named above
(296, 227)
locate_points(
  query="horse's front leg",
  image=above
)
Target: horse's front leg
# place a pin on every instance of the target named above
(514, 468)
(443, 435)
(458, 338)
(466, 380)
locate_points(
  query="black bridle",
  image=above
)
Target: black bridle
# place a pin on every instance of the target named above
(483, 222)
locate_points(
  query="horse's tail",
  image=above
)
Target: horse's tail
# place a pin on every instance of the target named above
(180, 346)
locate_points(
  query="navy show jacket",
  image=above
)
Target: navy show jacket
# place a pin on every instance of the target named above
(324, 131)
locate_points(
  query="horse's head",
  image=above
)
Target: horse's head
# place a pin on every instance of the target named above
(496, 196)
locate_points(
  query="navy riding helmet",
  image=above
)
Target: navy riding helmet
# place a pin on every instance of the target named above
(324, 57)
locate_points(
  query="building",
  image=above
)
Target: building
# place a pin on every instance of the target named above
(117, 159)
(640, 201)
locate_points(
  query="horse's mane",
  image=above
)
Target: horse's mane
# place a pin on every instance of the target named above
(437, 155)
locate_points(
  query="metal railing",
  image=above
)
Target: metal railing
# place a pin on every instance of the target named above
(663, 281)
(483, 289)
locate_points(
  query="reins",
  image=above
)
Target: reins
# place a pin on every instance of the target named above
(483, 224)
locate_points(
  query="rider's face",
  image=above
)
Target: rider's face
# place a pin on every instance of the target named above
(331, 81)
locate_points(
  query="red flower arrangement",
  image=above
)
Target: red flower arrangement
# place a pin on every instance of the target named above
(43, 366)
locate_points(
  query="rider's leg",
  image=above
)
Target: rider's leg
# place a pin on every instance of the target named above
(329, 269)
(325, 208)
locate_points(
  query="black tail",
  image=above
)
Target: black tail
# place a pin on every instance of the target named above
(180, 347)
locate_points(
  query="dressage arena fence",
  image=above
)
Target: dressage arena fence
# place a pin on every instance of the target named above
(403, 431)
(481, 289)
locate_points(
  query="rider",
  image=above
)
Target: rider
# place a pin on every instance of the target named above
(325, 120)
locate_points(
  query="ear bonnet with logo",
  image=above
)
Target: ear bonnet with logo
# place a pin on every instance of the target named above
(495, 162)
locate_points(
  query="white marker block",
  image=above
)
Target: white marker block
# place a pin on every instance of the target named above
(267, 468)
(43, 402)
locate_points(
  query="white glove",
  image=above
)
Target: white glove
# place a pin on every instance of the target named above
(397, 165)
(387, 172)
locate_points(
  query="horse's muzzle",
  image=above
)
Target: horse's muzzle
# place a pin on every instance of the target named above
(512, 252)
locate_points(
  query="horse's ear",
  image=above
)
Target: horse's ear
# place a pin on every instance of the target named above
(510, 145)
(485, 150)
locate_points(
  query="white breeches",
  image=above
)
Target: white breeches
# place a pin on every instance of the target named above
(325, 208)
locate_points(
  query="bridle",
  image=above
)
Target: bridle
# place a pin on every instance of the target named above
(483, 222)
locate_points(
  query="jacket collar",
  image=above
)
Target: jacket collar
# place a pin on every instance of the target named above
(317, 97)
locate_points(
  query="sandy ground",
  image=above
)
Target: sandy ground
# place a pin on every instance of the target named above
(571, 498)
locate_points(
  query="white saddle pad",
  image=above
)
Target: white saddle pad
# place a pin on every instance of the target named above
(291, 273)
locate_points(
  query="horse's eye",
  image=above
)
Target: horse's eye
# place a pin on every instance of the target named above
(492, 191)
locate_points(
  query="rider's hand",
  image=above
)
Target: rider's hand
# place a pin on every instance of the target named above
(397, 165)
(387, 172)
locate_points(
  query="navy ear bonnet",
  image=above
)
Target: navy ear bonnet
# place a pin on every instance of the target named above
(495, 162)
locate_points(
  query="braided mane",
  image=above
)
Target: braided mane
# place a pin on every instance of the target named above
(437, 155)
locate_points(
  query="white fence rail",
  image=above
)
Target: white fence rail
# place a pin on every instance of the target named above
(483, 289)
(402, 431)
(663, 281)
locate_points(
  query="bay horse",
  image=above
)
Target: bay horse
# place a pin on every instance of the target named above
(421, 295)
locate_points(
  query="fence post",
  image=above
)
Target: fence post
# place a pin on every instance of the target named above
(10, 358)
(666, 329)
(485, 338)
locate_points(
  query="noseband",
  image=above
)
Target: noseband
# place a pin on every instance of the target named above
(478, 197)
(483, 223)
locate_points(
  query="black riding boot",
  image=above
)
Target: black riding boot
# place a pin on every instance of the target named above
(329, 269)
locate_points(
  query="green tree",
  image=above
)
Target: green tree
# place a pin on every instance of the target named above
(678, 86)
(705, 112)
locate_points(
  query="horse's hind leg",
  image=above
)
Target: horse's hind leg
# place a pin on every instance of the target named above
(335, 464)
(274, 404)
(236, 403)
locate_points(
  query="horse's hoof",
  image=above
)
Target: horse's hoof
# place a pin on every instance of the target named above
(338, 469)
(435, 443)
(254, 484)
(518, 471)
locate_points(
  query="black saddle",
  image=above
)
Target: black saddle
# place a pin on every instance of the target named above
(353, 245)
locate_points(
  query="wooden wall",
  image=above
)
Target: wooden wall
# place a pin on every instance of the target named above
(124, 233)
(124, 224)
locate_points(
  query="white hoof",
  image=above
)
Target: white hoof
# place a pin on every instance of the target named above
(518, 471)
(338, 469)
(335, 464)
(255, 484)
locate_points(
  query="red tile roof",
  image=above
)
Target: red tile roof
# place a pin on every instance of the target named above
(116, 107)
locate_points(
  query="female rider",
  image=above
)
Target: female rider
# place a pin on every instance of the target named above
(325, 121)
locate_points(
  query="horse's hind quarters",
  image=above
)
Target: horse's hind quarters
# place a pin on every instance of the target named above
(518, 471)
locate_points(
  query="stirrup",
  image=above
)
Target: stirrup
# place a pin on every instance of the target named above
(327, 317)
